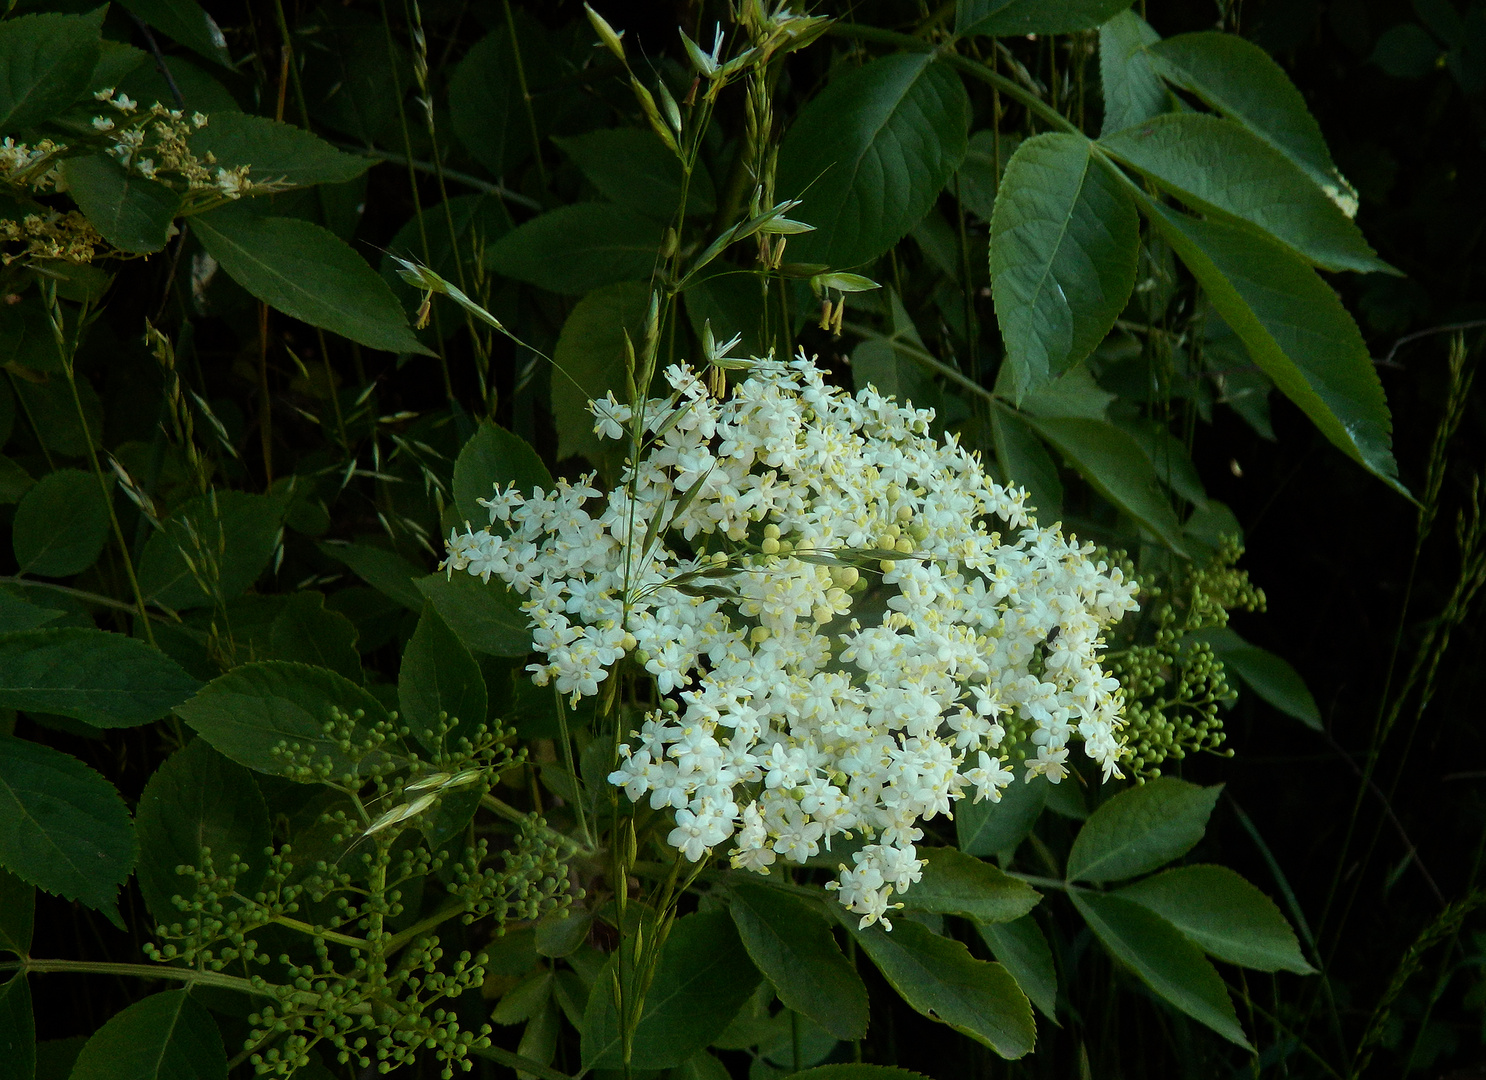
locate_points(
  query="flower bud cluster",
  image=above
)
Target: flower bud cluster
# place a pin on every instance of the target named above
(824, 593)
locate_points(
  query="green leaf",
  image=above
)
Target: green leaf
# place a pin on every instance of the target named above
(701, 1066)
(60, 525)
(589, 362)
(958, 884)
(17, 914)
(1022, 948)
(857, 1071)
(1224, 915)
(987, 828)
(494, 457)
(107, 680)
(229, 536)
(1240, 80)
(55, 1057)
(186, 22)
(116, 61)
(1219, 167)
(1296, 330)
(1268, 675)
(1072, 394)
(305, 631)
(792, 944)
(246, 713)
(17, 615)
(1064, 240)
(1114, 463)
(486, 106)
(1007, 18)
(939, 978)
(981, 171)
(577, 248)
(308, 273)
(132, 213)
(702, 979)
(53, 413)
(17, 1031)
(1133, 93)
(1140, 829)
(45, 61)
(869, 154)
(277, 152)
(15, 481)
(386, 571)
(486, 617)
(1026, 463)
(438, 675)
(1169, 458)
(63, 828)
(633, 168)
(1165, 961)
(198, 800)
(1407, 51)
(166, 1036)
(889, 362)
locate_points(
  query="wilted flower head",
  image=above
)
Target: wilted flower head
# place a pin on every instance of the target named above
(846, 639)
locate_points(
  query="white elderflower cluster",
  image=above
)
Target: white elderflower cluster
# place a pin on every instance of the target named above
(845, 640)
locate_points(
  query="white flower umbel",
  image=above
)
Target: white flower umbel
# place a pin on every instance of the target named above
(846, 640)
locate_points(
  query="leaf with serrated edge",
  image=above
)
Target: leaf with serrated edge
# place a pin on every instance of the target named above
(791, 943)
(870, 154)
(438, 675)
(486, 616)
(45, 61)
(1021, 946)
(1165, 961)
(166, 1036)
(107, 680)
(954, 883)
(1132, 91)
(939, 978)
(1063, 245)
(63, 827)
(494, 456)
(1140, 829)
(1224, 915)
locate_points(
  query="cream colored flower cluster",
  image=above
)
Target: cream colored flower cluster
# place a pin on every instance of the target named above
(845, 639)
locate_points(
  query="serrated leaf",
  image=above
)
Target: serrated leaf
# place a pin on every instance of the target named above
(1163, 959)
(60, 525)
(701, 981)
(1295, 329)
(869, 154)
(1141, 829)
(1026, 463)
(45, 61)
(308, 273)
(184, 21)
(166, 1036)
(487, 617)
(17, 1030)
(277, 152)
(987, 828)
(1270, 676)
(958, 884)
(494, 457)
(634, 169)
(577, 248)
(230, 536)
(304, 630)
(63, 827)
(107, 680)
(1240, 80)
(1133, 93)
(1220, 167)
(1006, 18)
(486, 105)
(939, 978)
(1224, 915)
(438, 675)
(590, 354)
(1112, 461)
(386, 571)
(1064, 240)
(198, 800)
(17, 615)
(133, 213)
(791, 943)
(1022, 948)
(980, 173)
(248, 712)
(17, 914)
